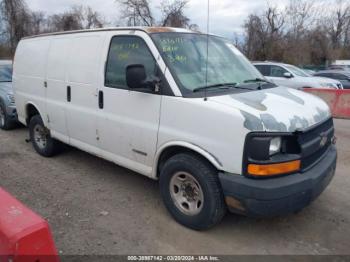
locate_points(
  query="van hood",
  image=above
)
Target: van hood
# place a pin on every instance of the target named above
(278, 109)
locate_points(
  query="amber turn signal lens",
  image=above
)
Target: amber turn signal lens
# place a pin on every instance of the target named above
(274, 169)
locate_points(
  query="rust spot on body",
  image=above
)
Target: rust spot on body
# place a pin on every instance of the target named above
(160, 30)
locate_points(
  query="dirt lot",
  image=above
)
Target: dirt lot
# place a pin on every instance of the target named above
(96, 207)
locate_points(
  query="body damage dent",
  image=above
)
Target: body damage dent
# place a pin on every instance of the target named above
(257, 100)
(268, 122)
(265, 119)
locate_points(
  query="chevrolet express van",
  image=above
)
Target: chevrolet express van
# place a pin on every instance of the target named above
(215, 133)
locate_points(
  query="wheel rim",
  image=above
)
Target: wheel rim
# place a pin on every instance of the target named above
(40, 136)
(2, 117)
(186, 193)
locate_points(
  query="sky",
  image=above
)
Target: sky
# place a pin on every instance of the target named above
(226, 16)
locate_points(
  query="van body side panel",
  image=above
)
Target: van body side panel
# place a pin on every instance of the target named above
(56, 92)
(207, 125)
(29, 76)
(82, 70)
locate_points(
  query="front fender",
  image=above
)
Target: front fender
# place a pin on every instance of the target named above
(207, 155)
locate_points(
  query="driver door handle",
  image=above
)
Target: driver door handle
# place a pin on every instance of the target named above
(100, 99)
(69, 94)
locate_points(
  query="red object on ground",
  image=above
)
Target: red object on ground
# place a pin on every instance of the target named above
(338, 100)
(24, 236)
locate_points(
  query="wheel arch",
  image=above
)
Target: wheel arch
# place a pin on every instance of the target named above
(31, 109)
(170, 149)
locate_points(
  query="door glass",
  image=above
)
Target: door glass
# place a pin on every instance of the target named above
(277, 71)
(125, 51)
(265, 70)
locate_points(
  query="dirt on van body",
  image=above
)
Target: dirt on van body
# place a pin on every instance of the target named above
(96, 207)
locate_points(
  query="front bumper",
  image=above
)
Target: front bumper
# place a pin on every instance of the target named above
(12, 113)
(278, 196)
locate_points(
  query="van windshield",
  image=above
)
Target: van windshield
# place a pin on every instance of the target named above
(186, 56)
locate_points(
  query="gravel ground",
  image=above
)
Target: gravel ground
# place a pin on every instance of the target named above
(96, 207)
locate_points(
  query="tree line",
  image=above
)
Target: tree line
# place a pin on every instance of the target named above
(17, 20)
(306, 32)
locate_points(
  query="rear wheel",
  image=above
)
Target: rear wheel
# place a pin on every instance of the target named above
(191, 191)
(5, 122)
(41, 139)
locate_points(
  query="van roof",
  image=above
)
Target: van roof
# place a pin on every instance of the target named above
(149, 30)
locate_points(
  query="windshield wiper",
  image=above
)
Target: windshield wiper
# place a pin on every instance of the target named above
(220, 86)
(257, 80)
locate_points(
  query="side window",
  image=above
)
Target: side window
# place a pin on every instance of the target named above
(265, 70)
(277, 71)
(125, 51)
(323, 75)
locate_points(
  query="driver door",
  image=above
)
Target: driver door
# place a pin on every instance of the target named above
(128, 120)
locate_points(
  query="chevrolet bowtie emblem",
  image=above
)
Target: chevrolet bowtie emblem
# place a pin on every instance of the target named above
(324, 139)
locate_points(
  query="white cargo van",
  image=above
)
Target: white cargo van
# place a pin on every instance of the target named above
(214, 132)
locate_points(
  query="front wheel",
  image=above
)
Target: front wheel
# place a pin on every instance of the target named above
(191, 191)
(41, 139)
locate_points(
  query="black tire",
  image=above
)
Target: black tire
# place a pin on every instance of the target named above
(5, 122)
(51, 146)
(214, 207)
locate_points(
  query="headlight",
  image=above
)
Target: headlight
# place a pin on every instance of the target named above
(275, 146)
(271, 154)
(329, 85)
(11, 98)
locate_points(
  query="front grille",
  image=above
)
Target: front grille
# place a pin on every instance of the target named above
(312, 149)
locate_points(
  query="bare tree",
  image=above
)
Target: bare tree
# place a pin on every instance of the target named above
(173, 14)
(137, 12)
(305, 32)
(16, 18)
(264, 33)
(38, 23)
(300, 16)
(93, 19)
(78, 17)
(339, 22)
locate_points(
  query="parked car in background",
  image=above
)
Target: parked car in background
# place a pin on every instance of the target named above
(294, 77)
(342, 76)
(339, 67)
(309, 71)
(8, 113)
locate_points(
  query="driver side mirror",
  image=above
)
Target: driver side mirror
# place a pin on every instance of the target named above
(135, 76)
(287, 75)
